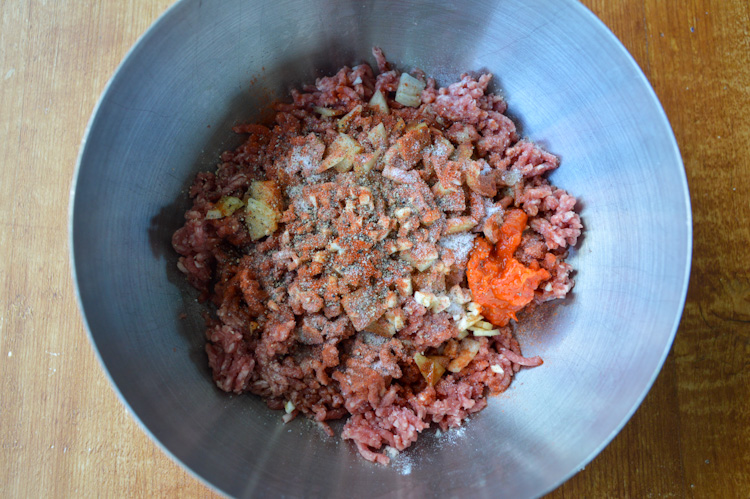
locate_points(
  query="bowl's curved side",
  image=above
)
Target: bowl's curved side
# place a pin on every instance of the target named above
(81, 239)
(675, 217)
(577, 90)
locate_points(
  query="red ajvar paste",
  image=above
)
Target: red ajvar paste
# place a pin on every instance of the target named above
(499, 283)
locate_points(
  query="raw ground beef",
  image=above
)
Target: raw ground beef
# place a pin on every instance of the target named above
(360, 276)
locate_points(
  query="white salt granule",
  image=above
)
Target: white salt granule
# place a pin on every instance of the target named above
(461, 244)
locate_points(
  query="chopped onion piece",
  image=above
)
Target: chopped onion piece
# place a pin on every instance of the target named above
(459, 295)
(409, 91)
(483, 325)
(441, 303)
(391, 299)
(341, 154)
(462, 153)
(404, 286)
(260, 219)
(365, 162)
(424, 299)
(396, 319)
(326, 112)
(289, 407)
(378, 136)
(484, 332)
(263, 209)
(378, 102)
(381, 327)
(430, 367)
(457, 225)
(467, 321)
(347, 119)
(224, 207)
(468, 350)
(497, 369)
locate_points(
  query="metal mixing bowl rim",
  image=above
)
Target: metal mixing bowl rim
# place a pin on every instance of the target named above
(215, 488)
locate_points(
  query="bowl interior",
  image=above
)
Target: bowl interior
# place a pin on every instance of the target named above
(570, 86)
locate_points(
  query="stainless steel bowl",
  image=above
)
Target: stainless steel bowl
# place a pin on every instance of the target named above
(166, 115)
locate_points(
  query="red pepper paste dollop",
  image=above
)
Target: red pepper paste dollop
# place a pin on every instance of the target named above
(499, 283)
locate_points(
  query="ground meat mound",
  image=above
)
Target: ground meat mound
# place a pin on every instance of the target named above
(333, 244)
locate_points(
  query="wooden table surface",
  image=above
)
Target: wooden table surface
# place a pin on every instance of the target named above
(63, 430)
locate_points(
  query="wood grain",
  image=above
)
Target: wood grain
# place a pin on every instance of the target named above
(62, 429)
